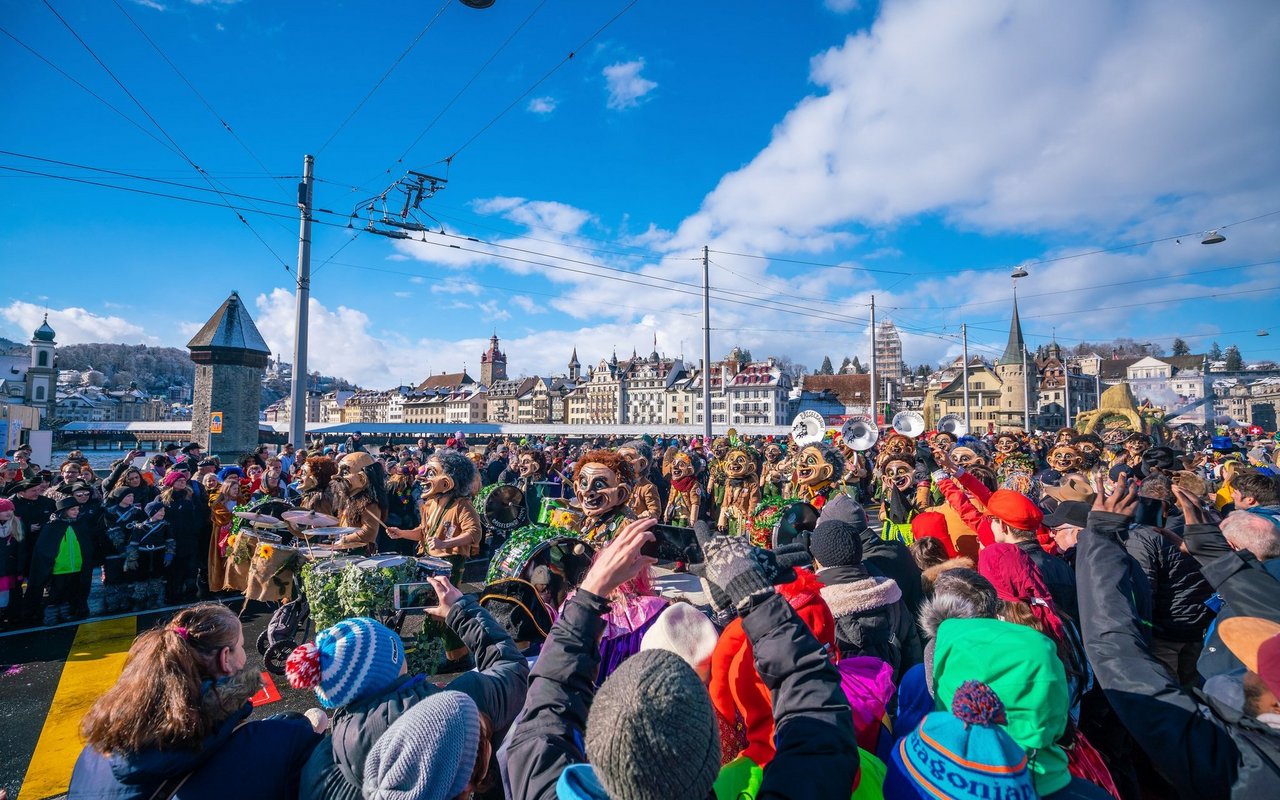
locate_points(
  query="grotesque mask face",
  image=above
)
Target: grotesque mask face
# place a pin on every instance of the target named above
(899, 445)
(1136, 446)
(600, 489)
(739, 464)
(351, 477)
(813, 468)
(720, 448)
(1089, 452)
(899, 474)
(773, 454)
(681, 467)
(1006, 444)
(1065, 436)
(639, 465)
(435, 481)
(308, 481)
(1065, 458)
(964, 457)
(944, 441)
(528, 466)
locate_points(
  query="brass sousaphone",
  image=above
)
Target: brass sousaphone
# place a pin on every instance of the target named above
(953, 424)
(909, 423)
(860, 433)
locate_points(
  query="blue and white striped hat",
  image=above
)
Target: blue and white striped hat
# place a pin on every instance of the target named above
(356, 658)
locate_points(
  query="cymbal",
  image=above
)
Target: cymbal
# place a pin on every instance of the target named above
(259, 519)
(326, 533)
(308, 518)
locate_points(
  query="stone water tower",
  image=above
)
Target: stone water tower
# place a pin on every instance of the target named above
(230, 357)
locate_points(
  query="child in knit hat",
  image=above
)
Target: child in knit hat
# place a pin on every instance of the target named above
(356, 659)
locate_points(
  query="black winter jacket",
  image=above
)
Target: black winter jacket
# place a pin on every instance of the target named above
(1201, 752)
(817, 756)
(335, 770)
(1178, 590)
(871, 618)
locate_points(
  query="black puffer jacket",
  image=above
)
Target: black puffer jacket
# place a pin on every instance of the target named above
(1201, 750)
(871, 618)
(335, 770)
(1178, 590)
(1058, 576)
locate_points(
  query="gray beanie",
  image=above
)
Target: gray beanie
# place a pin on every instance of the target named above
(652, 734)
(429, 753)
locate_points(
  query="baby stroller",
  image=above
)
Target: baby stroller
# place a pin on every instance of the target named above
(290, 624)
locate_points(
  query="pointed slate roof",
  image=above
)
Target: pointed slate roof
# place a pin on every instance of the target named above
(1017, 345)
(230, 328)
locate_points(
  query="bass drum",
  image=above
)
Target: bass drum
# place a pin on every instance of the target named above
(540, 555)
(775, 523)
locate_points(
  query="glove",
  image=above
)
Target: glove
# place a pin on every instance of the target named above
(732, 567)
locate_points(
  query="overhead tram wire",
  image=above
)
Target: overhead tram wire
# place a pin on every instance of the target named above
(456, 96)
(811, 263)
(539, 81)
(780, 288)
(221, 121)
(385, 75)
(95, 95)
(165, 133)
(696, 291)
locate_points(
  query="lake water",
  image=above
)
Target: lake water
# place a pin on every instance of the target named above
(98, 459)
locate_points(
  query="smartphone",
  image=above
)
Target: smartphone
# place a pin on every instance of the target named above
(415, 596)
(673, 543)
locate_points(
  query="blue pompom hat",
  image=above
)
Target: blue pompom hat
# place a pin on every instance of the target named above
(963, 754)
(356, 658)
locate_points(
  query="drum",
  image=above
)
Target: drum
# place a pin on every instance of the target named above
(779, 522)
(150, 563)
(271, 572)
(113, 571)
(502, 508)
(312, 552)
(354, 586)
(240, 551)
(555, 557)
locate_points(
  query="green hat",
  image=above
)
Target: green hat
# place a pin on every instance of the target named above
(1022, 667)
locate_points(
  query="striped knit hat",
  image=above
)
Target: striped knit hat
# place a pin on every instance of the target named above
(357, 658)
(962, 754)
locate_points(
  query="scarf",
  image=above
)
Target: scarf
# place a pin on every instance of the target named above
(900, 508)
(683, 484)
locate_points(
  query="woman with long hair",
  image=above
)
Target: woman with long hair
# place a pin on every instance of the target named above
(178, 719)
(221, 503)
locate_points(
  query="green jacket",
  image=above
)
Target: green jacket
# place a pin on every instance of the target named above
(1022, 666)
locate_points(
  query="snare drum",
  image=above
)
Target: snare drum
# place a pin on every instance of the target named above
(240, 552)
(271, 572)
(313, 552)
(564, 552)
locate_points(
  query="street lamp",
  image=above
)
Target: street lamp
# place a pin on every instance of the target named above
(1213, 237)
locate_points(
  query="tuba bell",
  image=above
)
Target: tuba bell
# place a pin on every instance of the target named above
(909, 423)
(860, 433)
(953, 424)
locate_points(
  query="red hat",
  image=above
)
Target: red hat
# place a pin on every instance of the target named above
(1017, 578)
(933, 525)
(1015, 510)
(5, 505)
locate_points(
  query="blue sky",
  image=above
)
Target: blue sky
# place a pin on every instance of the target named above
(921, 148)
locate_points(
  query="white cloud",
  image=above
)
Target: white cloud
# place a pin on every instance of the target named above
(152, 4)
(626, 86)
(219, 27)
(543, 105)
(455, 286)
(403, 295)
(73, 325)
(528, 305)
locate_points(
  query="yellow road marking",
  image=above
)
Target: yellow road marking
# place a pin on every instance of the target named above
(95, 661)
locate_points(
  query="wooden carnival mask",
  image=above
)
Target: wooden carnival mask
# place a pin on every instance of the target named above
(528, 466)
(739, 464)
(896, 444)
(1065, 458)
(720, 448)
(899, 473)
(600, 489)
(639, 464)
(1137, 444)
(682, 467)
(965, 457)
(773, 454)
(1006, 443)
(944, 441)
(351, 472)
(814, 468)
(1065, 436)
(1090, 451)
(435, 479)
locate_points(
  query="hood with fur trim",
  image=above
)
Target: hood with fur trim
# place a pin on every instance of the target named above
(859, 597)
(930, 575)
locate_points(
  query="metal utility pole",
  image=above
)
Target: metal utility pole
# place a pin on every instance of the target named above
(1066, 393)
(964, 338)
(706, 347)
(298, 389)
(875, 412)
(1026, 393)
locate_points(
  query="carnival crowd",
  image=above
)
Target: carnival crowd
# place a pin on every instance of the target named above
(1007, 616)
